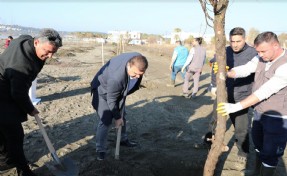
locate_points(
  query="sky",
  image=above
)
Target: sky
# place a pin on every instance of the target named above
(146, 16)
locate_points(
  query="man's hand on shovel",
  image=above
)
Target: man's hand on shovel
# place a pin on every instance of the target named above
(34, 112)
(119, 123)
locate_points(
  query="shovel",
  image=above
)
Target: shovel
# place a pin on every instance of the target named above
(65, 168)
(117, 152)
(119, 133)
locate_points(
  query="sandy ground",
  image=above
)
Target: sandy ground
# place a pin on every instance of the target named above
(165, 124)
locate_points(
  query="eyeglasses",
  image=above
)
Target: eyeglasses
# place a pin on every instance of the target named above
(54, 39)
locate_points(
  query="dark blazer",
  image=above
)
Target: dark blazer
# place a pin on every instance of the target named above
(111, 84)
(19, 66)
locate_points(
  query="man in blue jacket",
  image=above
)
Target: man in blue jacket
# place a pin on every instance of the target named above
(20, 63)
(118, 78)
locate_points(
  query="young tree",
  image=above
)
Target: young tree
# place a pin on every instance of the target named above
(189, 40)
(219, 8)
(177, 30)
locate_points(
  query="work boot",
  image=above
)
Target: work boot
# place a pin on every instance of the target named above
(101, 156)
(267, 171)
(185, 95)
(128, 143)
(171, 84)
(5, 168)
(206, 143)
(193, 95)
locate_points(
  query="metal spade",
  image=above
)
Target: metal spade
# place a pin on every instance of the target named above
(66, 167)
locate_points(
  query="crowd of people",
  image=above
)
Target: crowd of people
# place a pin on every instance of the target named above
(256, 82)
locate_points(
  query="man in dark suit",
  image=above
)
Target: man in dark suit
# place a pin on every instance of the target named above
(118, 78)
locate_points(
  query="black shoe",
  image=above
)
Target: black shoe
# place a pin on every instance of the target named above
(208, 138)
(202, 145)
(128, 143)
(25, 172)
(185, 95)
(5, 168)
(101, 156)
(193, 95)
(206, 143)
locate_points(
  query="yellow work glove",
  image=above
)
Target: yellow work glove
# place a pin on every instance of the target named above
(227, 108)
(215, 68)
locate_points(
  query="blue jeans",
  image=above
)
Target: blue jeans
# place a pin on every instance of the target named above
(269, 135)
(175, 70)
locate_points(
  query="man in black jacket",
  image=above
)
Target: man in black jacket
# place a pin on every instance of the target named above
(238, 53)
(20, 63)
(118, 78)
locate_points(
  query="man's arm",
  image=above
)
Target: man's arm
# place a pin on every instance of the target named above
(20, 85)
(174, 55)
(249, 101)
(114, 89)
(244, 70)
(272, 86)
(189, 59)
(277, 82)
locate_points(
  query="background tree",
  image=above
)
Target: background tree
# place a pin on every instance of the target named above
(152, 39)
(252, 33)
(178, 30)
(189, 40)
(219, 8)
(283, 39)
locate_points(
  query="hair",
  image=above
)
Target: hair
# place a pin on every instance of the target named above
(265, 37)
(237, 31)
(140, 61)
(51, 36)
(199, 40)
(179, 41)
(10, 37)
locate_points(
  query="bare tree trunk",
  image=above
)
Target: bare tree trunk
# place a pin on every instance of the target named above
(120, 47)
(103, 59)
(220, 7)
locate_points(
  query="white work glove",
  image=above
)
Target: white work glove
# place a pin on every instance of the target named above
(227, 108)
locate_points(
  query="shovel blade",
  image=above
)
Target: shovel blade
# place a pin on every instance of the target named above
(66, 168)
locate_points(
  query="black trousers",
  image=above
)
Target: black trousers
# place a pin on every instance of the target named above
(11, 146)
(240, 121)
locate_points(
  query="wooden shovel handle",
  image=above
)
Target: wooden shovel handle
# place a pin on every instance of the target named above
(47, 140)
(117, 152)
